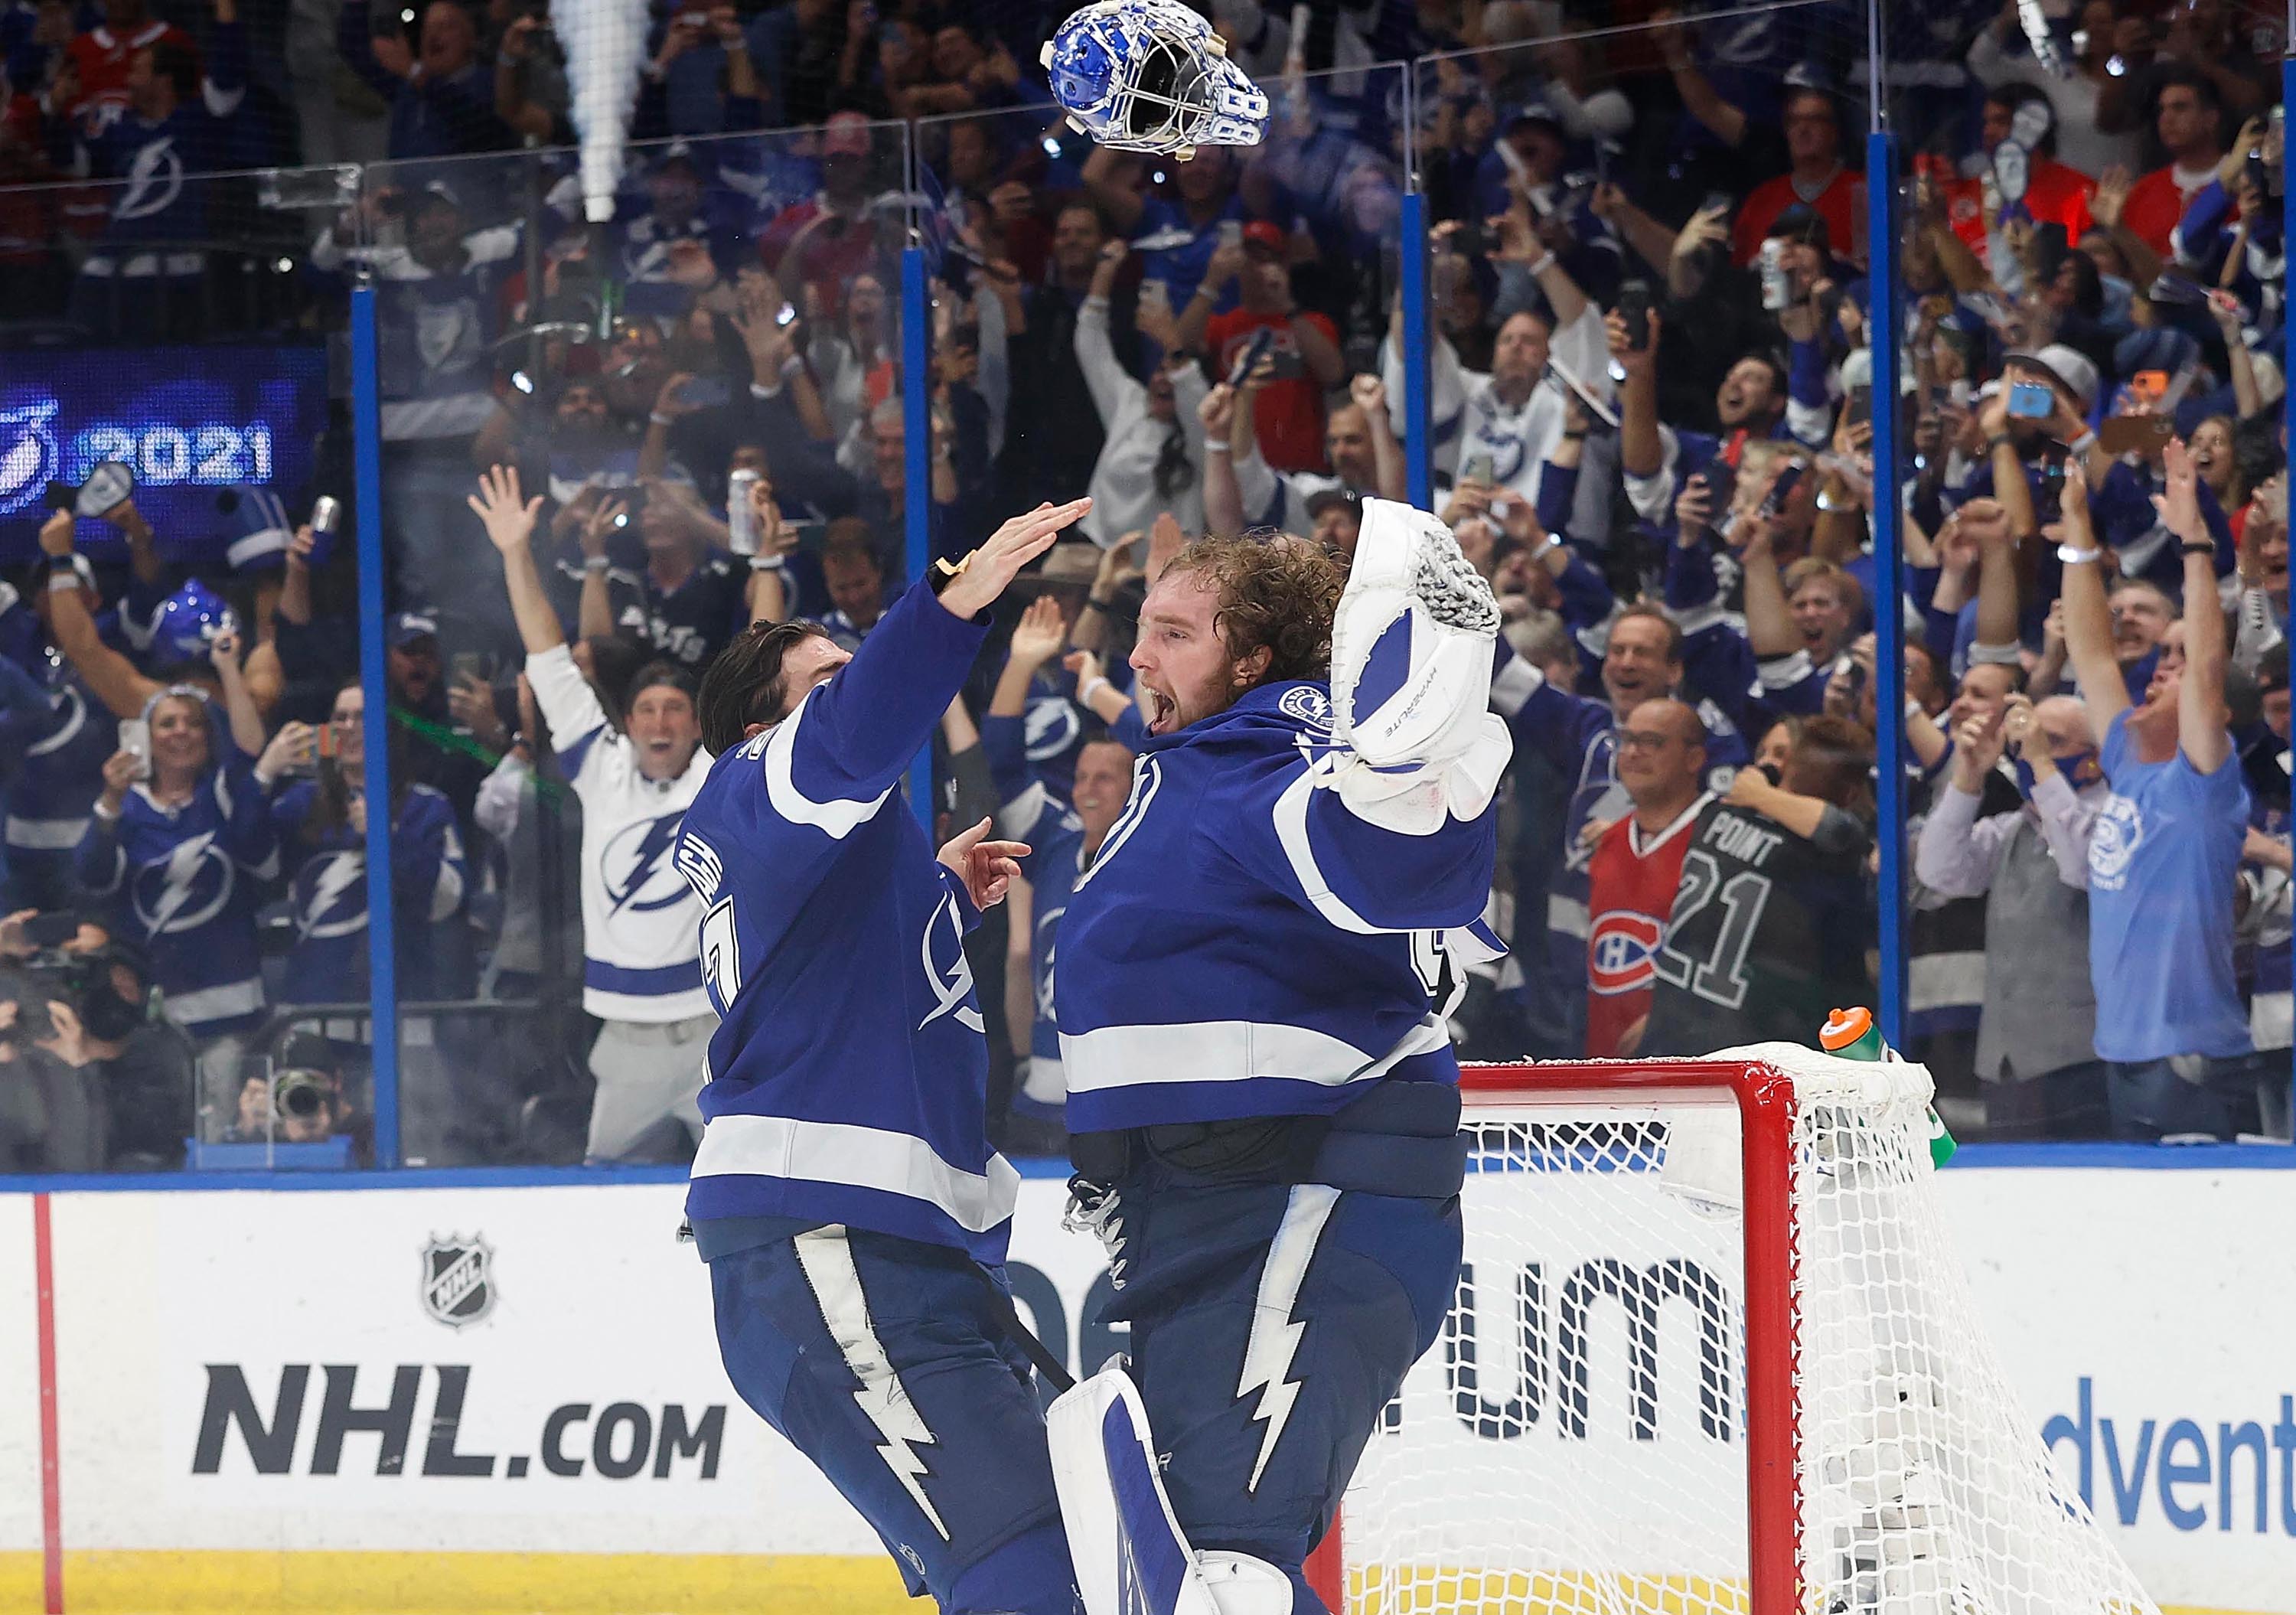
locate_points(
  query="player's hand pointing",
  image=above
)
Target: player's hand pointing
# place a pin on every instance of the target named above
(989, 570)
(986, 868)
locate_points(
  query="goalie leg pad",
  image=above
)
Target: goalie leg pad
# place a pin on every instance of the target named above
(1127, 1548)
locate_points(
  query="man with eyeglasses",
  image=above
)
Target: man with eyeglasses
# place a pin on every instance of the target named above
(1636, 867)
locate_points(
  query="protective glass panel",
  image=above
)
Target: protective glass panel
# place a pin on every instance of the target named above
(171, 414)
(689, 375)
(1618, 408)
(2072, 308)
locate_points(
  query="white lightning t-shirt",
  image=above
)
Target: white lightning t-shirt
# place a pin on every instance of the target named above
(640, 957)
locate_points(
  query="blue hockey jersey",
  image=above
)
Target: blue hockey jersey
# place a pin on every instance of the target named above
(185, 883)
(1244, 944)
(1033, 813)
(57, 775)
(848, 1079)
(327, 963)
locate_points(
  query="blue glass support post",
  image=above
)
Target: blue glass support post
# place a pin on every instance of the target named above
(381, 930)
(1883, 321)
(1419, 436)
(2288, 336)
(916, 479)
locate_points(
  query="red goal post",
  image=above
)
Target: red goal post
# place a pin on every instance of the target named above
(1781, 1200)
(1765, 1099)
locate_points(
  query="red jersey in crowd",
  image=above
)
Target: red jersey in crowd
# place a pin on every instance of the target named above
(2156, 204)
(1287, 419)
(1842, 205)
(102, 59)
(2054, 194)
(1630, 884)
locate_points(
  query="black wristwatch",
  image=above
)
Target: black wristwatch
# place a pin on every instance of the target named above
(2197, 547)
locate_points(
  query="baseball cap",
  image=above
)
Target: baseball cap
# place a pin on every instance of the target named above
(407, 627)
(1264, 233)
(2072, 372)
(845, 134)
(1534, 111)
(1329, 497)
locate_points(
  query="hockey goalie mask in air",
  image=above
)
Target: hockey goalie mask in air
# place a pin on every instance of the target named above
(1151, 76)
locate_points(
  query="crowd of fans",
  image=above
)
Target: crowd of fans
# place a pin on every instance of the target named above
(1652, 427)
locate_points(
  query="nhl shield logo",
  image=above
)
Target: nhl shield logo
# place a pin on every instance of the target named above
(457, 1280)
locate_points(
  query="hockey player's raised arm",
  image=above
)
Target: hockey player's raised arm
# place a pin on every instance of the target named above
(853, 736)
(1310, 844)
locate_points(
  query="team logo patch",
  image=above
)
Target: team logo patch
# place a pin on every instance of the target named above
(458, 1280)
(1622, 952)
(1308, 705)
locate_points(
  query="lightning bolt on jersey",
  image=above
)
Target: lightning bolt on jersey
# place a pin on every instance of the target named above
(1767, 934)
(638, 959)
(327, 963)
(185, 882)
(1245, 946)
(1033, 813)
(1630, 885)
(850, 1078)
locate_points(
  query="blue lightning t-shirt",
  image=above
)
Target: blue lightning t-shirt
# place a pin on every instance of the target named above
(2163, 862)
(184, 881)
(848, 1080)
(327, 963)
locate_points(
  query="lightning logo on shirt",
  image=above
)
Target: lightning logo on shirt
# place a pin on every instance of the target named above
(648, 881)
(334, 876)
(169, 892)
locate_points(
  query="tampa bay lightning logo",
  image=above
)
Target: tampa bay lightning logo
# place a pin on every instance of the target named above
(1052, 728)
(951, 985)
(640, 876)
(332, 889)
(29, 456)
(183, 890)
(155, 180)
(1304, 703)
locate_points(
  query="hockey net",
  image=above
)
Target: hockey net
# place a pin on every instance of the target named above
(1712, 1351)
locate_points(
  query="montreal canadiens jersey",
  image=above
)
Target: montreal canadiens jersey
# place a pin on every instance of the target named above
(1630, 884)
(327, 963)
(848, 1079)
(638, 960)
(1577, 735)
(1245, 946)
(1767, 935)
(184, 882)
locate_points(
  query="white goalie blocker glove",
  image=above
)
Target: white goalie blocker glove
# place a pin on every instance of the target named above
(1411, 677)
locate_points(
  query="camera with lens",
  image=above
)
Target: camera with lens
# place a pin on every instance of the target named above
(301, 1094)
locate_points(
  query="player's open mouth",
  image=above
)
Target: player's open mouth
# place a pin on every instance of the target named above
(1160, 711)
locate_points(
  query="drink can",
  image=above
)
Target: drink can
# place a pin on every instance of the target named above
(741, 520)
(326, 513)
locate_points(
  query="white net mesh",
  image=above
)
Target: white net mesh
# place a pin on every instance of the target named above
(1577, 1441)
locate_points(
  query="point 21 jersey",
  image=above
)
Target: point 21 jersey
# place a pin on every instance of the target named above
(1767, 935)
(1243, 944)
(638, 961)
(848, 1079)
